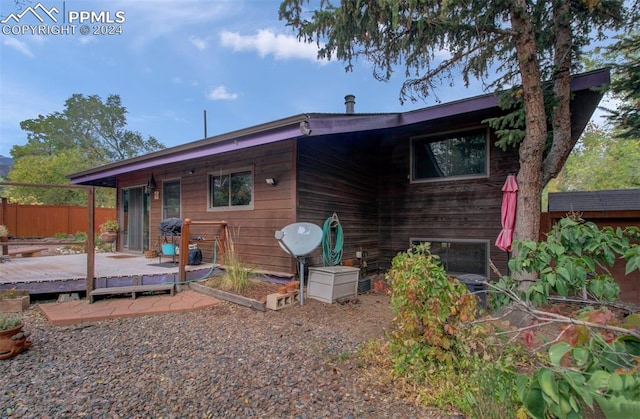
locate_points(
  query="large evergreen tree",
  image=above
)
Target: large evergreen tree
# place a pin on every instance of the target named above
(626, 83)
(502, 43)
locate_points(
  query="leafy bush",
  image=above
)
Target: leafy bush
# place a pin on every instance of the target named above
(430, 307)
(434, 343)
(80, 236)
(597, 369)
(573, 260)
(109, 226)
(595, 358)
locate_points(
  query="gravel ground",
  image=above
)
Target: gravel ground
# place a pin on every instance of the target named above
(227, 361)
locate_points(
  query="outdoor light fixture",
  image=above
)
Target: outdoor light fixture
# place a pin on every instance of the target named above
(304, 128)
(151, 185)
(271, 181)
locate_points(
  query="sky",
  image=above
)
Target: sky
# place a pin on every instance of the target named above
(174, 60)
(170, 61)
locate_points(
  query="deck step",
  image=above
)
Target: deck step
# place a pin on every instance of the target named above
(26, 252)
(132, 289)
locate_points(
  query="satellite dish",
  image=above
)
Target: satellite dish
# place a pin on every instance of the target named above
(299, 239)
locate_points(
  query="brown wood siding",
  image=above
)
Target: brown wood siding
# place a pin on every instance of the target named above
(363, 178)
(340, 174)
(449, 209)
(252, 230)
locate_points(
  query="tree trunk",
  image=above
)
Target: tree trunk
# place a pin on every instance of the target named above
(561, 118)
(532, 147)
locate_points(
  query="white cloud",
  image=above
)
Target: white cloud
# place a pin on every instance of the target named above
(199, 43)
(19, 46)
(147, 21)
(220, 93)
(85, 40)
(266, 42)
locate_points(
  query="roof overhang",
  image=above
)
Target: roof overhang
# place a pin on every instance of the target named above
(322, 124)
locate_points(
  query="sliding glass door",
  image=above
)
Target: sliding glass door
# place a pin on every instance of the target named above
(135, 220)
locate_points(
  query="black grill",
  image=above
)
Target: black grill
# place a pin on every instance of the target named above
(170, 226)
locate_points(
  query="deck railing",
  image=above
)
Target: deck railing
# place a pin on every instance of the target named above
(185, 239)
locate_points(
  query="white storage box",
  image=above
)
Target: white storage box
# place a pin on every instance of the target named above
(328, 283)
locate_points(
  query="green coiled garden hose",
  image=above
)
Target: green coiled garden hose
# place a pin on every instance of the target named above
(332, 250)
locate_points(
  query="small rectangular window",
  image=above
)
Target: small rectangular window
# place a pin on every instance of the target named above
(450, 155)
(460, 256)
(171, 199)
(231, 190)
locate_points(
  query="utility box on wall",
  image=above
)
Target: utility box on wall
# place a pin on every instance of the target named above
(328, 283)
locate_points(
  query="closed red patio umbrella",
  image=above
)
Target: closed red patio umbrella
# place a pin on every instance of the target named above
(509, 199)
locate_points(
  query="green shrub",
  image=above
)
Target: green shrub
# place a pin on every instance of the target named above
(595, 359)
(435, 344)
(429, 306)
(577, 376)
(80, 236)
(574, 259)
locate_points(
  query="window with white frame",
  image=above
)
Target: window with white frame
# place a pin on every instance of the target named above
(459, 154)
(460, 256)
(231, 190)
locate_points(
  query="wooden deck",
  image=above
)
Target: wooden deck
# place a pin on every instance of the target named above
(67, 273)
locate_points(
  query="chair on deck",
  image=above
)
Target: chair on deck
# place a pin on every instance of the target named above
(170, 229)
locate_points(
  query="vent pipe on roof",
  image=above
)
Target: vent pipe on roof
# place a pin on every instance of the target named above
(350, 103)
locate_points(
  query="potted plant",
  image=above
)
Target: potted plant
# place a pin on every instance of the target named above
(13, 339)
(13, 300)
(109, 231)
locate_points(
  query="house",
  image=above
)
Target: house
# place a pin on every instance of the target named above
(393, 179)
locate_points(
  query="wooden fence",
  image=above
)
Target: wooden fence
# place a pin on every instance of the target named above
(30, 221)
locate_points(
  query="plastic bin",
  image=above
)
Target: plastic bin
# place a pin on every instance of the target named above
(328, 283)
(477, 285)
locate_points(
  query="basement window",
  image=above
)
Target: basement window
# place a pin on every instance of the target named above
(231, 190)
(457, 154)
(460, 256)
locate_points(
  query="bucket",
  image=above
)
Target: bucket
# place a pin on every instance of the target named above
(150, 254)
(168, 249)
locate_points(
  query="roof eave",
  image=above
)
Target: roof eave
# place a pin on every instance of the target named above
(314, 124)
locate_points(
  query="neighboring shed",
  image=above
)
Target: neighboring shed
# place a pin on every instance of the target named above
(619, 200)
(432, 174)
(614, 208)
